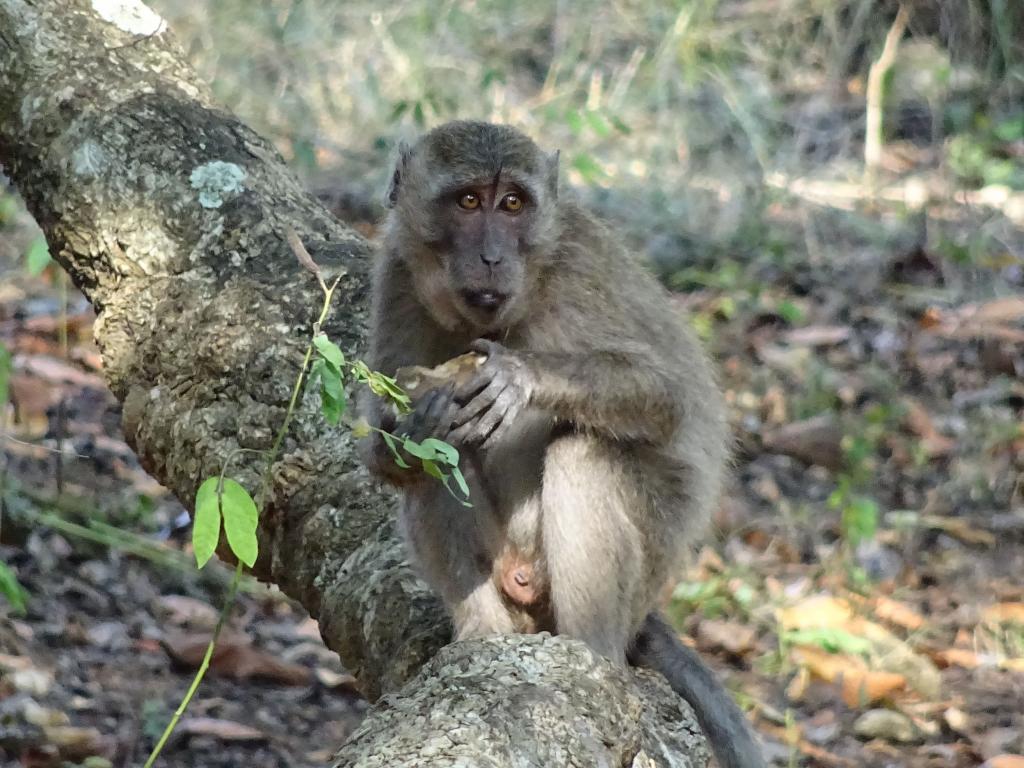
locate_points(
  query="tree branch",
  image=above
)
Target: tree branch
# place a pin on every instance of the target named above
(170, 215)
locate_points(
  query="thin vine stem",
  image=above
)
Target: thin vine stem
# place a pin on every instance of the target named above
(261, 500)
(296, 392)
(197, 679)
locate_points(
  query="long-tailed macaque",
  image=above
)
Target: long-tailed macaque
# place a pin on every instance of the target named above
(594, 432)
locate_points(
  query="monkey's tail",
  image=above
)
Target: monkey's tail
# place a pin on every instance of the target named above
(658, 647)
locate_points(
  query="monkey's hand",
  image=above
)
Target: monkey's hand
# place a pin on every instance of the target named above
(493, 398)
(430, 417)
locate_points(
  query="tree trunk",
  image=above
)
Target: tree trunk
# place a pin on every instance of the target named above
(170, 215)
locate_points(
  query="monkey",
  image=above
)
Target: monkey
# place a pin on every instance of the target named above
(593, 431)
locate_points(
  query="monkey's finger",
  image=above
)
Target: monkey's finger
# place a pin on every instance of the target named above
(496, 415)
(437, 416)
(507, 421)
(481, 402)
(472, 430)
(416, 424)
(479, 381)
(464, 434)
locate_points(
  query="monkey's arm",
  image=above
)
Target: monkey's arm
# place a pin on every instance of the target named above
(626, 393)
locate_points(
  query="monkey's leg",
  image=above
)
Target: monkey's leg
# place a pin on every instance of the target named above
(449, 542)
(592, 547)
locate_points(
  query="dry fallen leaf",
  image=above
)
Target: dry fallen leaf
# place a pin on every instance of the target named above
(234, 657)
(815, 612)
(224, 730)
(730, 636)
(957, 720)
(1013, 665)
(1004, 761)
(888, 610)
(960, 657)
(817, 335)
(185, 611)
(892, 654)
(959, 528)
(858, 683)
(993, 319)
(813, 441)
(1004, 613)
(895, 612)
(919, 421)
(329, 678)
(58, 371)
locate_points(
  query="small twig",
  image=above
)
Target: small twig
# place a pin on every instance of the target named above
(58, 456)
(875, 96)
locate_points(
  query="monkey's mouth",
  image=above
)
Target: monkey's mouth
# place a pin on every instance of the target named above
(485, 299)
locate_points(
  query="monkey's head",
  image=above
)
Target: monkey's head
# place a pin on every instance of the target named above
(473, 212)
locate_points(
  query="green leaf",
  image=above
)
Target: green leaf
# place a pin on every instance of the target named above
(330, 351)
(330, 382)
(432, 469)
(206, 522)
(598, 124)
(11, 589)
(332, 394)
(37, 257)
(398, 110)
(860, 520)
(240, 519)
(332, 408)
(575, 122)
(420, 451)
(6, 366)
(360, 372)
(460, 481)
(385, 386)
(620, 126)
(790, 312)
(588, 167)
(830, 639)
(449, 453)
(390, 442)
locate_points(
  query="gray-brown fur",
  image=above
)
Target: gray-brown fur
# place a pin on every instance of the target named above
(594, 433)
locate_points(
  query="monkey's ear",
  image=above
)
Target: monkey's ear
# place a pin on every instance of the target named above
(404, 152)
(553, 172)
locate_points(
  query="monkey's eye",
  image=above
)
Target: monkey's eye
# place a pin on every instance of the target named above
(512, 203)
(469, 202)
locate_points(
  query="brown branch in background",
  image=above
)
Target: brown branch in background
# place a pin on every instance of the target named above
(875, 96)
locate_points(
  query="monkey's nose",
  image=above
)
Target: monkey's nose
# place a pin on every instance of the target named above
(485, 299)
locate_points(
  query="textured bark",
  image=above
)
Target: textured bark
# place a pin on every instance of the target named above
(170, 215)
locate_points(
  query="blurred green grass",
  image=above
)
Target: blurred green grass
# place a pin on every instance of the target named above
(670, 115)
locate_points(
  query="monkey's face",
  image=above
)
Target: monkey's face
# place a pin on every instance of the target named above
(485, 247)
(481, 246)
(474, 218)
